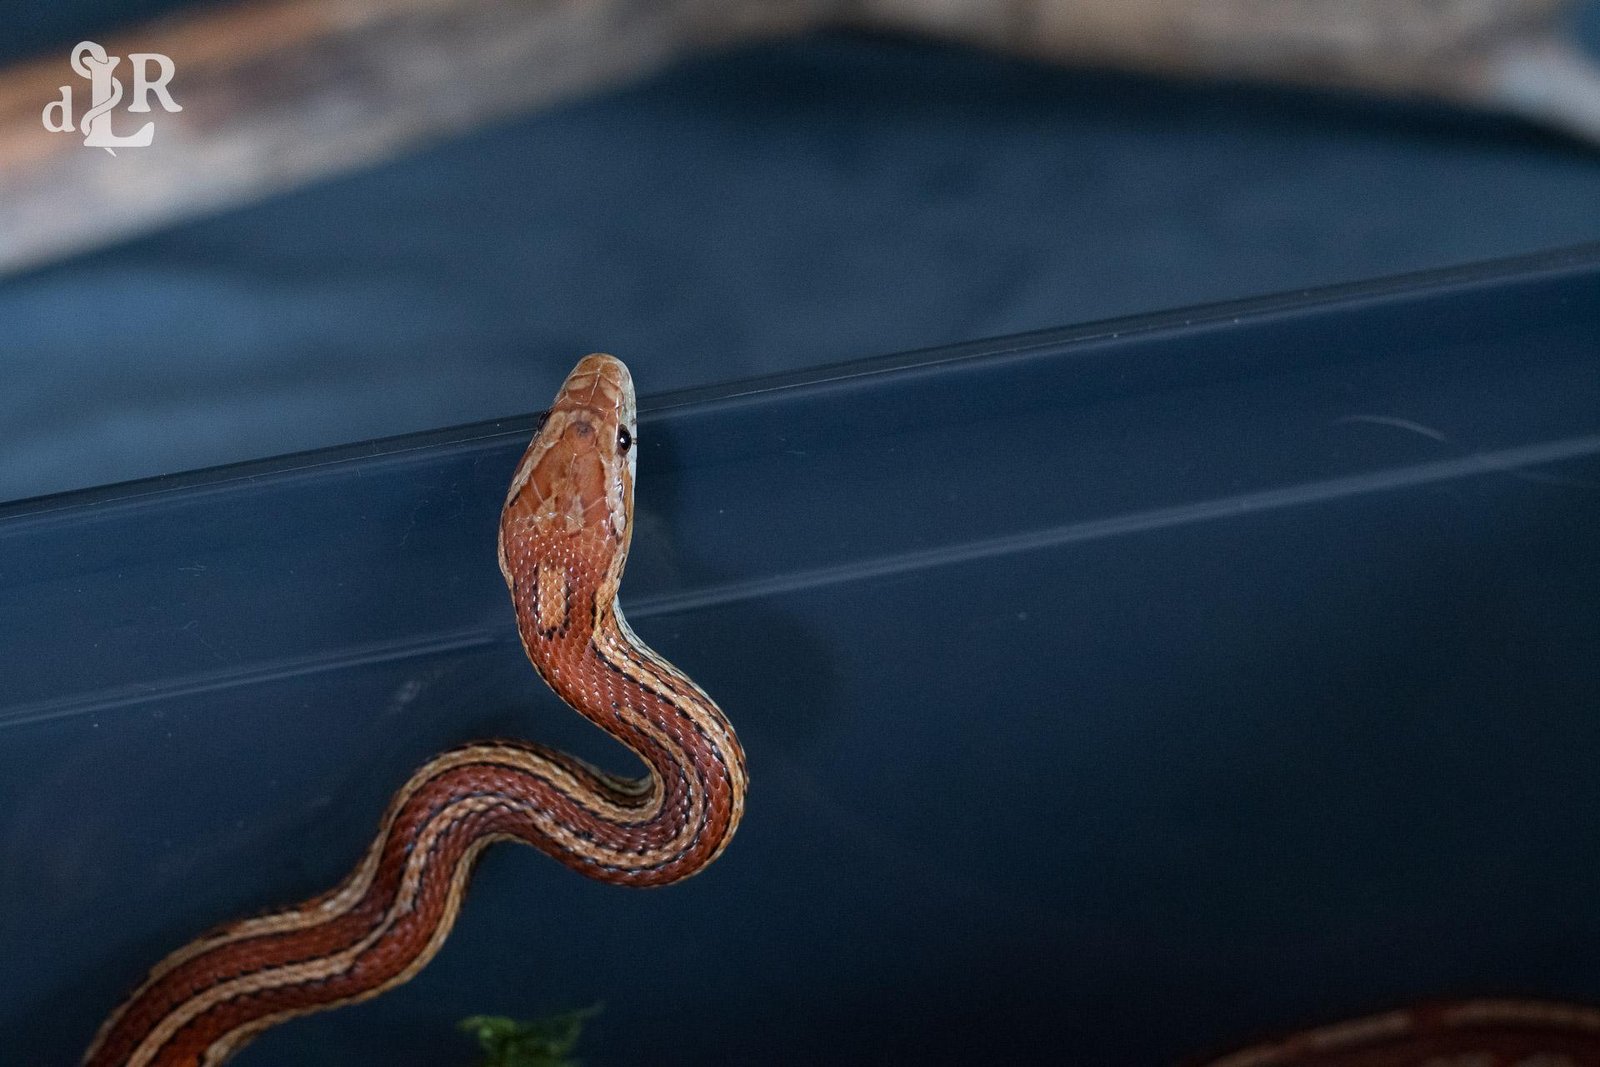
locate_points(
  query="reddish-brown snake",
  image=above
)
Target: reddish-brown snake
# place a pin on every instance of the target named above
(564, 536)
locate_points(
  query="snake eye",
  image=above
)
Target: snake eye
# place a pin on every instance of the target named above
(624, 438)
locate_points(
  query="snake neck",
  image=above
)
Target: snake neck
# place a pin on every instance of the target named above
(689, 804)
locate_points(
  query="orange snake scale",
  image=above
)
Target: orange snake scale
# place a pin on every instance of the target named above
(564, 536)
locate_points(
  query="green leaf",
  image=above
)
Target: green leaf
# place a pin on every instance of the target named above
(542, 1042)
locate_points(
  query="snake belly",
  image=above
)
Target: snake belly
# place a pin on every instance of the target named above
(564, 536)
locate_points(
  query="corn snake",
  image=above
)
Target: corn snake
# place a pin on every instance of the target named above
(563, 541)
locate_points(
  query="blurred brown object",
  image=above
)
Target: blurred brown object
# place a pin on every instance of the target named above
(1471, 1033)
(275, 93)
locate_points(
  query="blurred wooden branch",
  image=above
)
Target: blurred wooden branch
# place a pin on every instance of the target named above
(279, 92)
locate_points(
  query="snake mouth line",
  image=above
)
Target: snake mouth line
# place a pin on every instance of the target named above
(1518, 461)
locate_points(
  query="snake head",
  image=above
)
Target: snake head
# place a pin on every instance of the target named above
(573, 490)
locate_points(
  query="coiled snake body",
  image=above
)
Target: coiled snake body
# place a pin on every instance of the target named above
(564, 536)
